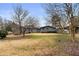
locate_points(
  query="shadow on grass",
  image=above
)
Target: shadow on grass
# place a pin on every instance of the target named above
(16, 38)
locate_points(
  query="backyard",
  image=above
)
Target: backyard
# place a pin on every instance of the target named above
(38, 44)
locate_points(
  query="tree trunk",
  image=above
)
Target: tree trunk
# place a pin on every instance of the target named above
(72, 29)
(73, 34)
(23, 32)
(20, 29)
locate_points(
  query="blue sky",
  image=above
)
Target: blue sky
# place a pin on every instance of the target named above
(35, 9)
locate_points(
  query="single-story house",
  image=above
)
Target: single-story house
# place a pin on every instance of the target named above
(15, 28)
(41, 29)
(48, 29)
(66, 29)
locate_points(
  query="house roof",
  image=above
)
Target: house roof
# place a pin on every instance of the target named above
(47, 26)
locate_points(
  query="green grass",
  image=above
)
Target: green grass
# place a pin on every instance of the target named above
(62, 37)
(42, 37)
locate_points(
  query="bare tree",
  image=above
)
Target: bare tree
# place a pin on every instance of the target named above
(71, 10)
(54, 12)
(32, 22)
(19, 16)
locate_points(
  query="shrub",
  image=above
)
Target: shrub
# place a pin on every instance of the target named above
(3, 34)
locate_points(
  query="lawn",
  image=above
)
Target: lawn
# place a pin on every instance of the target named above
(35, 44)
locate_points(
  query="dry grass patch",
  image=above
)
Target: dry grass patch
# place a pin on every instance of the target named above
(37, 45)
(15, 45)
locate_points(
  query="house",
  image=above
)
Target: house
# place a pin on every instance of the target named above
(76, 23)
(15, 28)
(48, 29)
(41, 29)
(66, 29)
